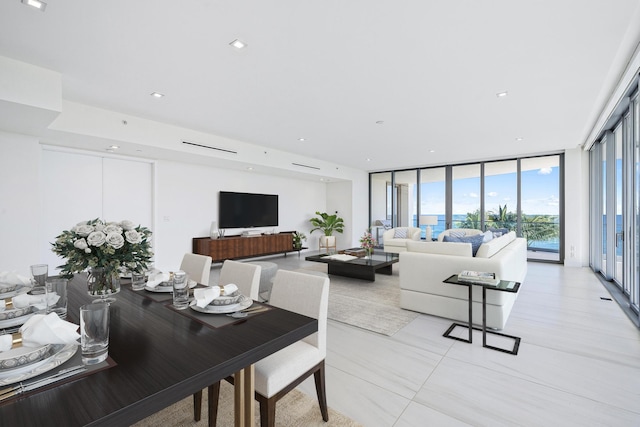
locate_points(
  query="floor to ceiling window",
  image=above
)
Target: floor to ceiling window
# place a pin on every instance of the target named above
(615, 203)
(540, 206)
(523, 195)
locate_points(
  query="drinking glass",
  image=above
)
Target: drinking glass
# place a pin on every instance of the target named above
(138, 280)
(94, 332)
(180, 290)
(40, 273)
(57, 297)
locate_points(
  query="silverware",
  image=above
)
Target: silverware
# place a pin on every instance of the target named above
(22, 387)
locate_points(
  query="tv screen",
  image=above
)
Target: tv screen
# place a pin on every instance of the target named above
(243, 210)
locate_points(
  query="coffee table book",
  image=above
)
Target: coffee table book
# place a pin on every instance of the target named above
(480, 277)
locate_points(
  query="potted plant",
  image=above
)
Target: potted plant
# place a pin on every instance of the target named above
(327, 224)
(298, 237)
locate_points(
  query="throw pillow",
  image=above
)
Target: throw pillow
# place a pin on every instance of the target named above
(457, 233)
(498, 232)
(475, 241)
(400, 233)
(488, 236)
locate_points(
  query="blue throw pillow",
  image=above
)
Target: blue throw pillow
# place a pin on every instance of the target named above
(475, 241)
(498, 232)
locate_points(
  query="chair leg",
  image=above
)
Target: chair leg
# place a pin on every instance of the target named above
(267, 411)
(321, 391)
(213, 395)
(197, 405)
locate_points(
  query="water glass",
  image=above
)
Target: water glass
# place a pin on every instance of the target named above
(40, 272)
(57, 297)
(94, 332)
(138, 280)
(180, 290)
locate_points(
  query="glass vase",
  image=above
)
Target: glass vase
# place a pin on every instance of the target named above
(102, 284)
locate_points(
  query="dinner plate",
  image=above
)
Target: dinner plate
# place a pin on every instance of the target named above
(160, 288)
(59, 353)
(21, 289)
(12, 313)
(15, 321)
(245, 302)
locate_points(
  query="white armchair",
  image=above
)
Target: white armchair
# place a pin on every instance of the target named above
(395, 239)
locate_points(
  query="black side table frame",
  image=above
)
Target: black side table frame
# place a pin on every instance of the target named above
(454, 281)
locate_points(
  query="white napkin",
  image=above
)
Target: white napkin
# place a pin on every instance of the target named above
(13, 278)
(38, 301)
(49, 329)
(157, 279)
(6, 341)
(204, 296)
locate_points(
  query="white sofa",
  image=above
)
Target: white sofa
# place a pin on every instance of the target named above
(399, 244)
(424, 265)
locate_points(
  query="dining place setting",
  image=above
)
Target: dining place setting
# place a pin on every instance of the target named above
(35, 338)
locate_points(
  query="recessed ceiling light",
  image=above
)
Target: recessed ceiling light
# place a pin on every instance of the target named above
(301, 139)
(519, 138)
(114, 147)
(249, 168)
(379, 122)
(238, 44)
(502, 94)
(157, 94)
(368, 160)
(40, 5)
(432, 151)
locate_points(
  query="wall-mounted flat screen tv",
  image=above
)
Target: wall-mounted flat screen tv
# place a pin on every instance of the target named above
(243, 210)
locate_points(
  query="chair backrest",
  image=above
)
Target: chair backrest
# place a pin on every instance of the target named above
(244, 275)
(304, 294)
(198, 267)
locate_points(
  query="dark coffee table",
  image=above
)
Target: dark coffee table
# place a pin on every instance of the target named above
(359, 268)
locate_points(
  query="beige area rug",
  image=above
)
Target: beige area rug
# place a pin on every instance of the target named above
(374, 306)
(295, 409)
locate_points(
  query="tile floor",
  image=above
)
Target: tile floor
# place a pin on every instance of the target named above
(578, 364)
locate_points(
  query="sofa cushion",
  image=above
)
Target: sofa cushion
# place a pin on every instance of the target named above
(441, 248)
(475, 241)
(489, 249)
(488, 236)
(467, 232)
(400, 233)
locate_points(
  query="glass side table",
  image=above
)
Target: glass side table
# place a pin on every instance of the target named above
(502, 286)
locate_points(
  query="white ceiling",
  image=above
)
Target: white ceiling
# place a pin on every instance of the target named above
(328, 70)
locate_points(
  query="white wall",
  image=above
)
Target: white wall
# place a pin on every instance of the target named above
(19, 202)
(576, 193)
(187, 203)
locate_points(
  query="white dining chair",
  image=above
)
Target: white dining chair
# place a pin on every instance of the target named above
(245, 275)
(278, 374)
(198, 267)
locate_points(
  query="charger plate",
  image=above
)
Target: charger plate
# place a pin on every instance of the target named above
(243, 303)
(58, 354)
(12, 313)
(20, 356)
(166, 289)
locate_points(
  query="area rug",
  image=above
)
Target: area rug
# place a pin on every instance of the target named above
(374, 306)
(295, 409)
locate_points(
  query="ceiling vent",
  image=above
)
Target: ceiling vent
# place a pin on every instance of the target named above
(209, 147)
(305, 166)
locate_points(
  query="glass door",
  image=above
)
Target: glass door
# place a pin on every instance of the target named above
(540, 206)
(465, 197)
(433, 199)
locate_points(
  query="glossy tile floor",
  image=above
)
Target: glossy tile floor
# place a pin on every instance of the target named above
(578, 363)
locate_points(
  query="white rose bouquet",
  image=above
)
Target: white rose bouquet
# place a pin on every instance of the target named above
(98, 244)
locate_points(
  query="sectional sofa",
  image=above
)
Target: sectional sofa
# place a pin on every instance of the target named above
(424, 265)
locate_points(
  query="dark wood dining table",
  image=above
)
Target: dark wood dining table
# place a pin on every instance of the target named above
(162, 356)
